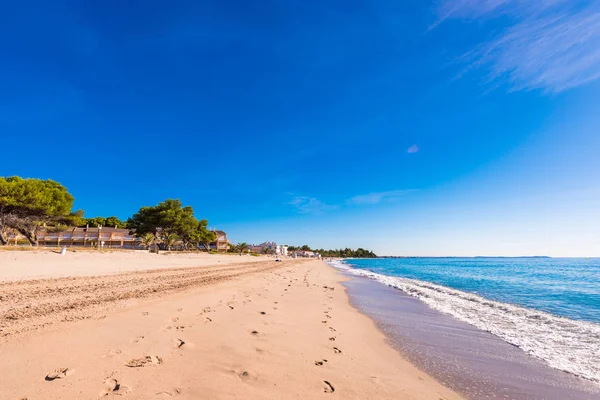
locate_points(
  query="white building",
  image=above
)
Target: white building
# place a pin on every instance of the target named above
(282, 250)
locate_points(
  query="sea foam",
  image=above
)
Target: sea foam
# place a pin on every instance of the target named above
(565, 344)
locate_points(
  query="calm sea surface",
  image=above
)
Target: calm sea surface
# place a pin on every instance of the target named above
(548, 307)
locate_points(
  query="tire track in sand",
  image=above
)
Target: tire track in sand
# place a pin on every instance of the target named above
(35, 304)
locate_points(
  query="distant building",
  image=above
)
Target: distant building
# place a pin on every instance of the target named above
(261, 248)
(282, 250)
(221, 243)
(88, 237)
(306, 254)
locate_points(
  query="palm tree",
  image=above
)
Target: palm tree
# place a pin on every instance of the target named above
(147, 240)
(169, 239)
(242, 247)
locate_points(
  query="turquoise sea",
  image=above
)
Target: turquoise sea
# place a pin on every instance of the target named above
(549, 307)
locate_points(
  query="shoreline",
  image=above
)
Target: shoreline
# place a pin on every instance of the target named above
(467, 359)
(245, 330)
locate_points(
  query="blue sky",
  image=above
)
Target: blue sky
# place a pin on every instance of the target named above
(408, 127)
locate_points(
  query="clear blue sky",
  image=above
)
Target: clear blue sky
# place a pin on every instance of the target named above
(449, 127)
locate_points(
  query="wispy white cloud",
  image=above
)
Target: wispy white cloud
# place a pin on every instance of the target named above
(378, 197)
(413, 149)
(311, 205)
(552, 45)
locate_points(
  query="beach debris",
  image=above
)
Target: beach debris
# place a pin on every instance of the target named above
(58, 373)
(328, 387)
(141, 362)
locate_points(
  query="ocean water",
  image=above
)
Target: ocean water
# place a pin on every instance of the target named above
(548, 307)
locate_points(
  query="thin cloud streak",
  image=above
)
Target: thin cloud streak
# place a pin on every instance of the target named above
(311, 205)
(552, 45)
(314, 206)
(378, 197)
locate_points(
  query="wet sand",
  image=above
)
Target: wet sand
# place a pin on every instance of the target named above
(259, 330)
(470, 361)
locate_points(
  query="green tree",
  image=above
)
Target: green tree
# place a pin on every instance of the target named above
(169, 239)
(25, 204)
(147, 239)
(108, 222)
(165, 219)
(234, 248)
(242, 247)
(203, 236)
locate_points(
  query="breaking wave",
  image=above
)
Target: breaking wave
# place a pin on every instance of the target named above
(565, 344)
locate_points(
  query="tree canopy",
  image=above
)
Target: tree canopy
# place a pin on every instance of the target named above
(104, 221)
(34, 197)
(170, 221)
(27, 203)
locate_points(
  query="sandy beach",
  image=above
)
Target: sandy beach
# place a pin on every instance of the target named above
(141, 326)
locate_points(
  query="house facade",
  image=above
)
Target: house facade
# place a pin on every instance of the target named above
(103, 237)
(221, 243)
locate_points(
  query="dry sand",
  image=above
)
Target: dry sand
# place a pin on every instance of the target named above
(31, 264)
(235, 330)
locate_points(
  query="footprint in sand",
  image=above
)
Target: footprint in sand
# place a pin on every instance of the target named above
(323, 322)
(206, 319)
(328, 387)
(262, 313)
(111, 353)
(174, 319)
(328, 316)
(140, 338)
(145, 313)
(168, 394)
(320, 363)
(110, 385)
(332, 338)
(332, 329)
(178, 343)
(254, 332)
(58, 373)
(336, 350)
(142, 362)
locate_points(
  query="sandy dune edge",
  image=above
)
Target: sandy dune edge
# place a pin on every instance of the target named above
(254, 331)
